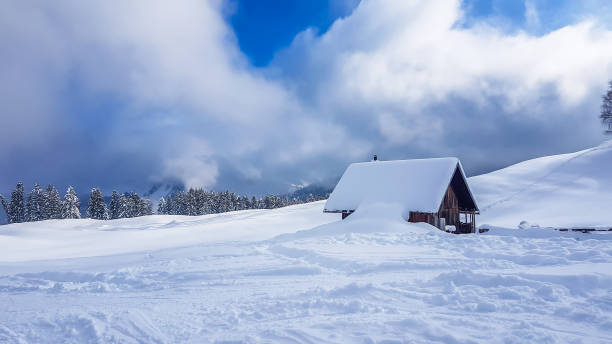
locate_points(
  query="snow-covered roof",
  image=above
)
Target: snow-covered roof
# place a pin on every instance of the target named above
(418, 185)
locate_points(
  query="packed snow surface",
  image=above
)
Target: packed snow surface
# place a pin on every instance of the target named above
(418, 185)
(297, 275)
(568, 190)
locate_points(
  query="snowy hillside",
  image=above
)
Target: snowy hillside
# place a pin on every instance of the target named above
(56, 239)
(568, 190)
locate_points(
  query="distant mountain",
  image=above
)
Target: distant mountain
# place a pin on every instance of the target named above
(313, 189)
(162, 190)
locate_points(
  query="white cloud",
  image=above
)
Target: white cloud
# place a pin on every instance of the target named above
(401, 78)
(175, 72)
(408, 66)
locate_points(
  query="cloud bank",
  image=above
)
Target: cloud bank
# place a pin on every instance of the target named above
(122, 95)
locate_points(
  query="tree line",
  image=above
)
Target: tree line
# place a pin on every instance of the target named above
(197, 201)
(45, 204)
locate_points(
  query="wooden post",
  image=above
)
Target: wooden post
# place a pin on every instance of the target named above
(473, 222)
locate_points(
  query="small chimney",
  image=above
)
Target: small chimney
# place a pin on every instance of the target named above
(375, 157)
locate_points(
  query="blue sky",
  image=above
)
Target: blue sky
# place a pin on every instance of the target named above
(267, 26)
(264, 96)
(264, 27)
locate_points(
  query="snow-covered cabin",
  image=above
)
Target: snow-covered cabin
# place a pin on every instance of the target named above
(429, 190)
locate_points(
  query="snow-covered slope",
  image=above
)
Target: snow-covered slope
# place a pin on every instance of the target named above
(54, 239)
(568, 190)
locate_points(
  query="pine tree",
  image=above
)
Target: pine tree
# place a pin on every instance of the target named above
(123, 211)
(606, 109)
(161, 206)
(179, 204)
(168, 209)
(15, 209)
(5, 204)
(233, 201)
(114, 206)
(52, 204)
(70, 206)
(146, 208)
(35, 204)
(133, 205)
(209, 202)
(192, 206)
(243, 203)
(96, 208)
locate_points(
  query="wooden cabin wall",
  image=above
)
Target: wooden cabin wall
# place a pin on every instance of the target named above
(422, 217)
(450, 208)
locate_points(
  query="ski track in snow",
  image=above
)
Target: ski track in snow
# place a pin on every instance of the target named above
(418, 287)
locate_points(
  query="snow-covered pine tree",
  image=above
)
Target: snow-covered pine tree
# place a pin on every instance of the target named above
(15, 209)
(267, 202)
(52, 203)
(179, 203)
(71, 204)
(211, 203)
(133, 205)
(310, 198)
(201, 201)
(278, 201)
(169, 206)
(243, 203)
(192, 202)
(113, 208)
(5, 204)
(124, 210)
(161, 206)
(146, 208)
(219, 203)
(96, 208)
(233, 202)
(35, 204)
(606, 109)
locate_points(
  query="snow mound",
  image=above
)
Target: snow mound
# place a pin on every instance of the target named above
(568, 190)
(376, 217)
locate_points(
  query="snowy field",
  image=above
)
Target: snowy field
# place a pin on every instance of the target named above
(296, 275)
(394, 283)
